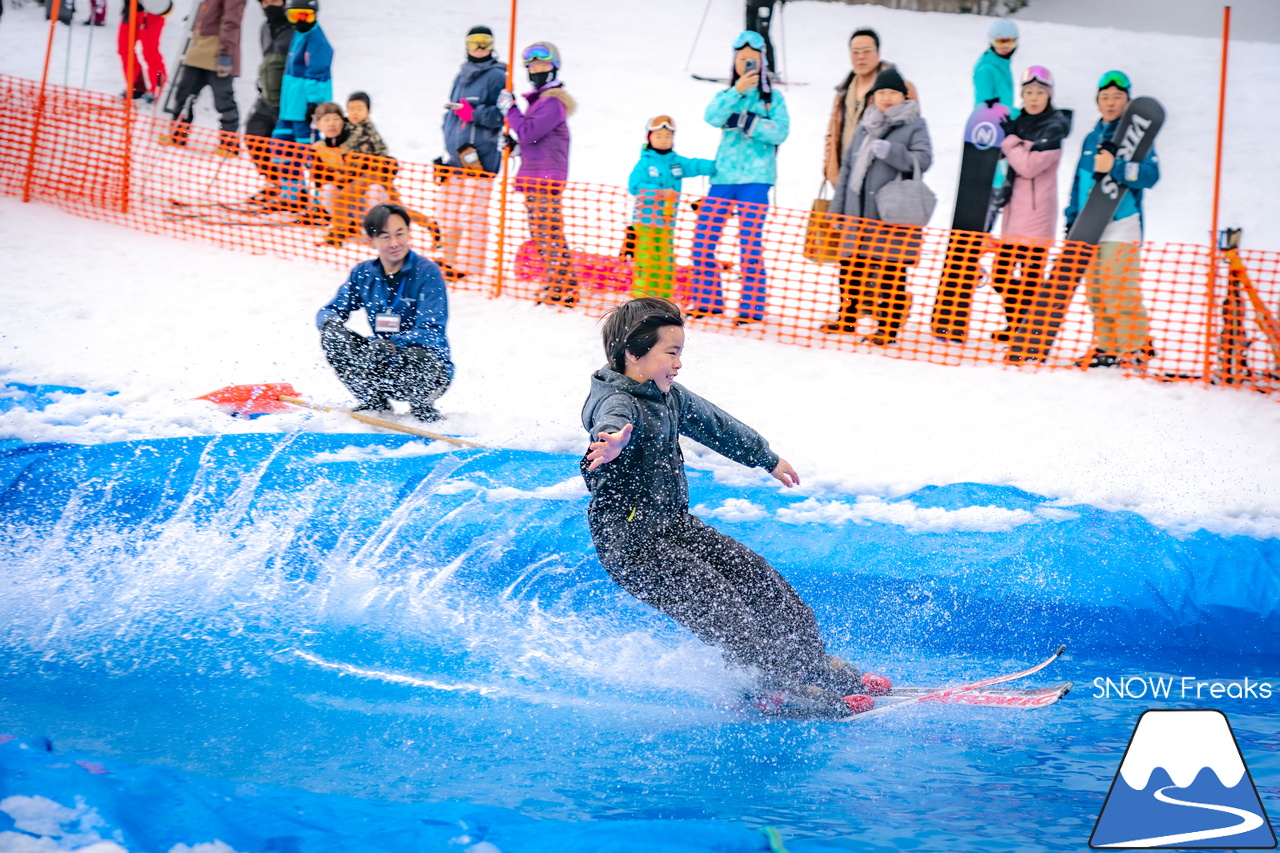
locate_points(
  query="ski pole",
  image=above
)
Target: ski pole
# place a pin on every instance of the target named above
(84, 82)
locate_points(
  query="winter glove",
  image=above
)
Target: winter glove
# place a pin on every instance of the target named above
(748, 123)
(881, 148)
(732, 121)
(464, 111)
(382, 349)
(335, 335)
(224, 65)
(506, 101)
(311, 110)
(1008, 126)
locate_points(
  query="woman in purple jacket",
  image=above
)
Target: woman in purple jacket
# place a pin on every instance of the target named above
(1033, 147)
(543, 131)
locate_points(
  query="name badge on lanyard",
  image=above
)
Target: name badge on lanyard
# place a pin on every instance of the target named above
(386, 322)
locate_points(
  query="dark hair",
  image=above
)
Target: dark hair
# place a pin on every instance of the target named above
(375, 221)
(633, 327)
(360, 96)
(866, 31)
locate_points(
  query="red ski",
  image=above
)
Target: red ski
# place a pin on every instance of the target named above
(950, 694)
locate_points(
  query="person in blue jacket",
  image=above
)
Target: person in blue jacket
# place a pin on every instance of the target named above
(754, 122)
(472, 125)
(1121, 328)
(993, 74)
(307, 83)
(655, 182)
(407, 357)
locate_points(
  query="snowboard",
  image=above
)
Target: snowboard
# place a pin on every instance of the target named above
(960, 273)
(1037, 328)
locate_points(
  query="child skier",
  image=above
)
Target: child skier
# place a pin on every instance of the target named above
(655, 182)
(647, 541)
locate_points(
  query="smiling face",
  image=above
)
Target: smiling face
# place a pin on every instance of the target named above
(1112, 102)
(886, 98)
(662, 363)
(392, 243)
(331, 124)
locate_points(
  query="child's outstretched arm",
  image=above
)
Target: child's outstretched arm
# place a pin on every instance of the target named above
(785, 474)
(608, 447)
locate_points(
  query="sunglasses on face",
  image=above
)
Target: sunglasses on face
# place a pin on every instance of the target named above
(661, 122)
(479, 42)
(299, 16)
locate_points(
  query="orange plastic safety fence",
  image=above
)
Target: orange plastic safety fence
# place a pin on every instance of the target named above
(1166, 311)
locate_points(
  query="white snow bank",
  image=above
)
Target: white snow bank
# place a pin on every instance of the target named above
(162, 321)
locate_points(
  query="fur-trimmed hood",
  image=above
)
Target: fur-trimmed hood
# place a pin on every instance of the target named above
(555, 89)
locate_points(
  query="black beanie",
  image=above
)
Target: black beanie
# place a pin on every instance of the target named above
(479, 31)
(889, 78)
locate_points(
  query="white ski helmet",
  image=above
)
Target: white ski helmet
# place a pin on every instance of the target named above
(157, 7)
(1002, 28)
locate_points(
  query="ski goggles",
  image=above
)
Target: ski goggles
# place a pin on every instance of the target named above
(300, 16)
(538, 53)
(1114, 78)
(479, 41)
(749, 38)
(660, 122)
(1037, 74)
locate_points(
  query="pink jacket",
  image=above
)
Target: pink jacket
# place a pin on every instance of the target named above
(1032, 210)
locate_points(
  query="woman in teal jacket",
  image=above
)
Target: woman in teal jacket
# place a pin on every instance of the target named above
(754, 121)
(655, 182)
(993, 75)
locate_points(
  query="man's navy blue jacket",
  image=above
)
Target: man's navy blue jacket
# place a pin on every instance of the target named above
(416, 295)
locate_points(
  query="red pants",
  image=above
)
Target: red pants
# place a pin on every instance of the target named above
(148, 38)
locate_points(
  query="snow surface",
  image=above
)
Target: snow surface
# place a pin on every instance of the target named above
(161, 321)
(625, 62)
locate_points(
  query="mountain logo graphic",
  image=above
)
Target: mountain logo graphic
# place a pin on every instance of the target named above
(1183, 783)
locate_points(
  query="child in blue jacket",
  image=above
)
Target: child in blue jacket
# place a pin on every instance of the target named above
(655, 182)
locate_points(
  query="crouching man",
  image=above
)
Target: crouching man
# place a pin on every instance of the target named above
(407, 357)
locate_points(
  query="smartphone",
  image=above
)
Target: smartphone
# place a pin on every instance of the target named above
(751, 65)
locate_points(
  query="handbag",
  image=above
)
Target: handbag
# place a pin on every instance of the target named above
(906, 202)
(822, 232)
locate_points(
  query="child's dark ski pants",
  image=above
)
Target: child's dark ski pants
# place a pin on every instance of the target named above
(725, 593)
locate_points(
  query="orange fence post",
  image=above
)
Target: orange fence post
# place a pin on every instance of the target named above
(506, 159)
(130, 70)
(1217, 192)
(35, 127)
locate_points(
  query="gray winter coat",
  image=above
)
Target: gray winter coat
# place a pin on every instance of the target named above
(646, 483)
(904, 139)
